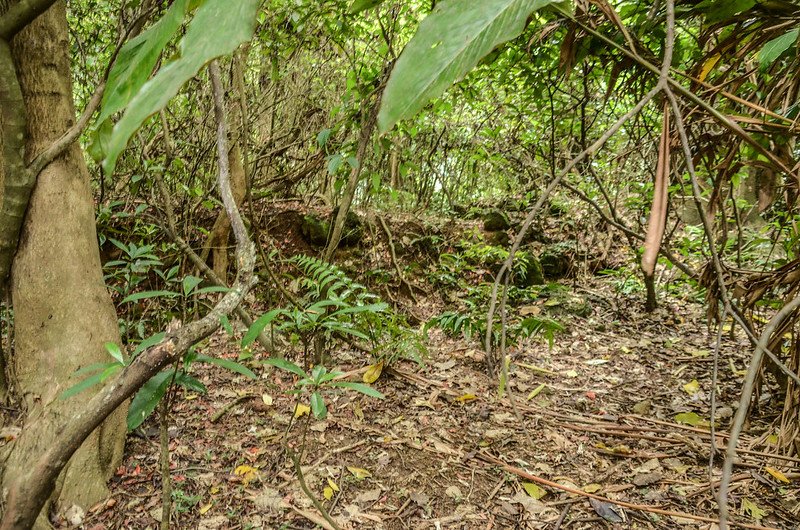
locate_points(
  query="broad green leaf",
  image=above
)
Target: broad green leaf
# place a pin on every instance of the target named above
(189, 283)
(283, 364)
(94, 367)
(358, 387)
(719, 10)
(148, 294)
(218, 27)
(136, 60)
(190, 383)
(447, 45)
(318, 406)
(226, 324)
(362, 5)
(258, 326)
(145, 401)
(775, 48)
(534, 490)
(228, 365)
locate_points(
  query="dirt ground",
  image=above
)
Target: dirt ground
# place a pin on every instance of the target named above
(594, 414)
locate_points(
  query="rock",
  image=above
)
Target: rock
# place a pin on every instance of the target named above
(353, 230)
(527, 270)
(315, 230)
(556, 260)
(495, 220)
(498, 239)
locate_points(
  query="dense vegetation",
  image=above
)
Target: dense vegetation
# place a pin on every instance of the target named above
(305, 177)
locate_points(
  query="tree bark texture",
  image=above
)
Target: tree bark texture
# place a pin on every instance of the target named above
(63, 312)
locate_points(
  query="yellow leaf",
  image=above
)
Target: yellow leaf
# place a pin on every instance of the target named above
(301, 409)
(205, 508)
(533, 490)
(592, 488)
(373, 373)
(466, 397)
(267, 399)
(535, 392)
(190, 397)
(327, 493)
(333, 485)
(214, 490)
(752, 509)
(571, 373)
(709, 65)
(247, 473)
(359, 473)
(692, 387)
(777, 474)
(773, 439)
(690, 418)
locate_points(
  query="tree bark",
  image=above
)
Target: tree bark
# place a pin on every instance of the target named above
(63, 312)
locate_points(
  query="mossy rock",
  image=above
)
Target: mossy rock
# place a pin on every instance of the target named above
(568, 303)
(353, 230)
(495, 220)
(557, 260)
(527, 271)
(315, 230)
(498, 239)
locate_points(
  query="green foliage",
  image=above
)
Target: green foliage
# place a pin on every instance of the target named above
(334, 305)
(447, 45)
(216, 29)
(319, 380)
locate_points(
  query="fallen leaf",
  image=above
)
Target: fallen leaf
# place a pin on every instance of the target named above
(373, 373)
(359, 472)
(301, 410)
(267, 399)
(777, 474)
(204, 509)
(592, 488)
(608, 511)
(536, 391)
(692, 387)
(247, 473)
(327, 493)
(454, 492)
(534, 490)
(752, 509)
(466, 397)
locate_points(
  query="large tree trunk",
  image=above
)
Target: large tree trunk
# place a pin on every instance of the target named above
(63, 313)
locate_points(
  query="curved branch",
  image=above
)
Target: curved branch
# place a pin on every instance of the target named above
(20, 15)
(29, 492)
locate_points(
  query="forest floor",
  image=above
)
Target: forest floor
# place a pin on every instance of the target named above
(617, 408)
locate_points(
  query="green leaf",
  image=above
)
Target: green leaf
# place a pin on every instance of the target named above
(189, 283)
(719, 10)
(233, 366)
(447, 45)
(146, 400)
(137, 58)
(258, 326)
(283, 364)
(148, 294)
(213, 289)
(152, 340)
(108, 369)
(114, 351)
(94, 367)
(190, 383)
(775, 48)
(218, 27)
(358, 387)
(362, 5)
(318, 406)
(226, 324)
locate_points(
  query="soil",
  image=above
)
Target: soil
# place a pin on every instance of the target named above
(618, 408)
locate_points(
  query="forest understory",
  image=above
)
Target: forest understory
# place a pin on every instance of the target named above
(618, 408)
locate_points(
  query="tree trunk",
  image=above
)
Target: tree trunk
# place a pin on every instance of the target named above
(63, 313)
